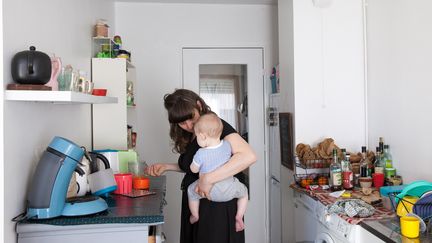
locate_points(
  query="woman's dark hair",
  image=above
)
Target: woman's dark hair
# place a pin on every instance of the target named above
(180, 106)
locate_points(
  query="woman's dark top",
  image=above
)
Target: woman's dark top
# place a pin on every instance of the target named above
(216, 222)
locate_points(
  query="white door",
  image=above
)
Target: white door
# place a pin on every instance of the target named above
(251, 62)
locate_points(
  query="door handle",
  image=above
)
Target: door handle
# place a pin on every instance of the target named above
(274, 180)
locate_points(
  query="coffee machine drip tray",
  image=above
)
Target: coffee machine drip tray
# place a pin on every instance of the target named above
(78, 206)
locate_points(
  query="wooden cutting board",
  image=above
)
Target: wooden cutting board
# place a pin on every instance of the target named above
(28, 87)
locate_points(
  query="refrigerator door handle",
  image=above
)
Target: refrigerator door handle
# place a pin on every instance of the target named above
(274, 180)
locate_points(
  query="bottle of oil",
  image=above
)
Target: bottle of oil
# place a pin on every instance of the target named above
(364, 164)
(335, 173)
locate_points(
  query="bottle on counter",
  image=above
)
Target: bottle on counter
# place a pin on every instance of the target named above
(364, 164)
(381, 144)
(379, 167)
(387, 157)
(347, 173)
(335, 173)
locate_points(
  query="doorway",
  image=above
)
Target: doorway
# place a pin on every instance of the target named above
(230, 80)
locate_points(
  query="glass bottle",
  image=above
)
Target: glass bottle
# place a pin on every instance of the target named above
(364, 164)
(387, 157)
(347, 173)
(379, 167)
(335, 173)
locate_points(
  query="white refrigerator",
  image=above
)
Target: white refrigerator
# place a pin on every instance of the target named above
(274, 169)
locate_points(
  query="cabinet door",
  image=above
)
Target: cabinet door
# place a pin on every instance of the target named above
(110, 120)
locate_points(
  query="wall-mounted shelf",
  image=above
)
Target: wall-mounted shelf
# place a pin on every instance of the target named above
(63, 97)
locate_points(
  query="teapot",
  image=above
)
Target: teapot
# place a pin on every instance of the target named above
(31, 67)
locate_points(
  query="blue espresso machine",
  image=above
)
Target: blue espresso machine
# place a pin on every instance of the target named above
(48, 190)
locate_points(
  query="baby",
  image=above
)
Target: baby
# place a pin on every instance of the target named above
(213, 154)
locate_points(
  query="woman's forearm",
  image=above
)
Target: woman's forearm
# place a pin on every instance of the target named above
(172, 167)
(243, 157)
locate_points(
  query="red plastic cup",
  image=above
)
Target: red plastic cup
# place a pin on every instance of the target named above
(378, 180)
(124, 183)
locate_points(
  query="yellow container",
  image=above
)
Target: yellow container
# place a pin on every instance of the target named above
(410, 226)
(405, 205)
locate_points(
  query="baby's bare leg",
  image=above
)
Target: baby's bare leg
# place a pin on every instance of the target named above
(241, 209)
(194, 208)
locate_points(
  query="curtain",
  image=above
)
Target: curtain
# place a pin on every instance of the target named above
(219, 94)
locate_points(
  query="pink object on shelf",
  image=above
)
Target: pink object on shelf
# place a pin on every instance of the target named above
(55, 71)
(124, 183)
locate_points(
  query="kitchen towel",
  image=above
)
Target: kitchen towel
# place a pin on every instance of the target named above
(351, 208)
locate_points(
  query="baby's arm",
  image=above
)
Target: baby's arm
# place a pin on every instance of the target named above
(195, 165)
(194, 168)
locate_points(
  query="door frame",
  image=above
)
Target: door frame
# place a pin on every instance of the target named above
(253, 57)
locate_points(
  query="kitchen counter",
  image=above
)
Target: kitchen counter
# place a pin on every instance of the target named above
(324, 197)
(125, 218)
(388, 230)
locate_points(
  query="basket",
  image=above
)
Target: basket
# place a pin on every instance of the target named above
(305, 180)
(310, 173)
(315, 163)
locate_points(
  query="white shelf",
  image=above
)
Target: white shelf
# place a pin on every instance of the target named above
(63, 97)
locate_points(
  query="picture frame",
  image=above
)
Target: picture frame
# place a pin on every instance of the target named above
(286, 140)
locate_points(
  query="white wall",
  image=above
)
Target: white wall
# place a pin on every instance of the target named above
(399, 82)
(322, 79)
(286, 72)
(329, 73)
(1, 129)
(64, 28)
(156, 34)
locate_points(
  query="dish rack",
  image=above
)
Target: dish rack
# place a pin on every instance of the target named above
(311, 172)
(422, 208)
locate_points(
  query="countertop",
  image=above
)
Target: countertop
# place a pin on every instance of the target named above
(121, 210)
(388, 230)
(324, 197)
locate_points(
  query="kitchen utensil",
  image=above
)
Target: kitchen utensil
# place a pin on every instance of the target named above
(410, 226)
(101, 181)
(47, 194)
(56, 66)
(31, 67)
(405, 205)
(124, 183)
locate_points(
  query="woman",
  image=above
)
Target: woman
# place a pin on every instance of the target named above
(217, 219)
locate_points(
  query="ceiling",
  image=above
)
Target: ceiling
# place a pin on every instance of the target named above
(274, 2)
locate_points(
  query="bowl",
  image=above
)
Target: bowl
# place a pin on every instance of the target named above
(365, 182)
(99, 92)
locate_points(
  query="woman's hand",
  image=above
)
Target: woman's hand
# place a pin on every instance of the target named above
(204, 187)
(158, 169)
(155, 169)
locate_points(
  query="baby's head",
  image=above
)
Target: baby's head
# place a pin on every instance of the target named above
(208, 130)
